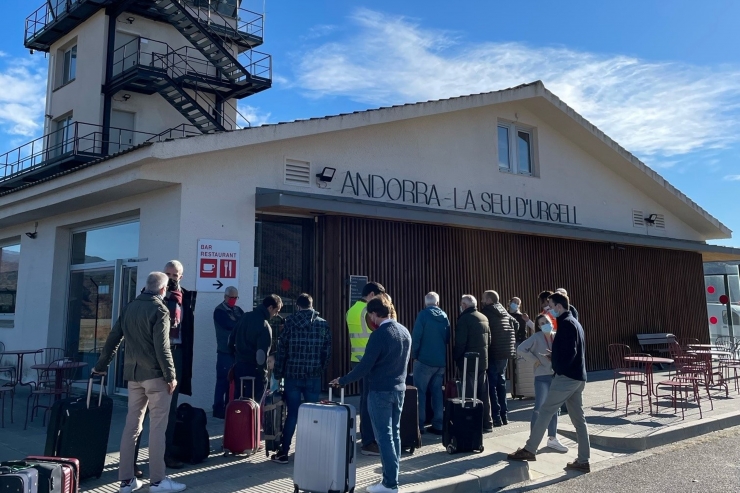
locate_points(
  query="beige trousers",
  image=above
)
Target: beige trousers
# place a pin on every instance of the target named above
(153, 394)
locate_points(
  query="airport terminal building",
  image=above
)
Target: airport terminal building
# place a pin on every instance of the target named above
(509, 190)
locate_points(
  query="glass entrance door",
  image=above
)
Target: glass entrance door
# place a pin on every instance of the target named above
(128, 293)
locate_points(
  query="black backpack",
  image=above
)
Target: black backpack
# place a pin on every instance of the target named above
(191, 442)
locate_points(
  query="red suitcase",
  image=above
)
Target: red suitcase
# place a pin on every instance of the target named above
(242, 425)
(70, 471)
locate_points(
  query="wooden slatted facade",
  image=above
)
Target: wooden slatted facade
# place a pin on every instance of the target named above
(619, 292)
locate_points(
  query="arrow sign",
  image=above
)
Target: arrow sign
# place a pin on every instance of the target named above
(218, 284)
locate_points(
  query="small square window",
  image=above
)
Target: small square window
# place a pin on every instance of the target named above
(516, 151)
(504, 161)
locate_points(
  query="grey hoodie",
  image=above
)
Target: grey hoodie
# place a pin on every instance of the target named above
(430, 337)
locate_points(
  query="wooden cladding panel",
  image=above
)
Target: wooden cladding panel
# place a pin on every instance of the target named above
(619, 292)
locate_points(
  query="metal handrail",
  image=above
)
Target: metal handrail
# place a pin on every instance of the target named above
(176, 66)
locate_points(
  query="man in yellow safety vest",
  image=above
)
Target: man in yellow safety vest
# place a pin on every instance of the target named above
(359, 333)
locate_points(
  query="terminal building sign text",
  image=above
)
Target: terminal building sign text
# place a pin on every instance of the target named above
(421, 193)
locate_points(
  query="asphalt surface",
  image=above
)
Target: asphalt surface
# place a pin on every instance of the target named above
(707, 464)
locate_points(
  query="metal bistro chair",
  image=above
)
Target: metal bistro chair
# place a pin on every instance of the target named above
(635, 376)
(45, 385)
(617, 352)
(5, 367)
(7, 387)
(729, 366)
(678, 386)
(685, 343)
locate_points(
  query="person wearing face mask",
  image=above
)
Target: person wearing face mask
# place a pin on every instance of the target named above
(514, 310)
(225, 317)
(536, 350)
(545, 310)
(568, 358)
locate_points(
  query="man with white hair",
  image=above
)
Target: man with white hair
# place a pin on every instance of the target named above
(150, 372)
(429, 338)
(473, 335)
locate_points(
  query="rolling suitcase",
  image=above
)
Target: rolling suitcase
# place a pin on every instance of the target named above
(54, 477)
(451, 389)
(274, 413)
(325, 447)
(79, 428)
(523, 385)
(242, 424)
(410, 434)
(19, 479)
(191, 442)
(70, 470)
(463, 418)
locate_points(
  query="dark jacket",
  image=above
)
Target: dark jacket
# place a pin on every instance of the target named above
(145, 324)
(472, 335)
(187, 332)
(225, 319)
(569, 349)
(385, 360)
(521, 332)
(574, 312)
(251, 339)
(304, 347)
(430, 337)
(503, 332)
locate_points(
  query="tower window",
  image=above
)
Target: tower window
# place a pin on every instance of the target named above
(70, 65)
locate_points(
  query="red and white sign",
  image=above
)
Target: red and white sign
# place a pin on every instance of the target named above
(218, 265)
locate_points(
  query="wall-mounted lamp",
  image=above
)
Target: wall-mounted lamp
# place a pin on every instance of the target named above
(326, 175)
(35, 233)
(130, 20)
(31, 52)
(126, 97)
(651, 218)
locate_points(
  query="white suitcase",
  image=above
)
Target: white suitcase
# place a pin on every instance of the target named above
(325, 448)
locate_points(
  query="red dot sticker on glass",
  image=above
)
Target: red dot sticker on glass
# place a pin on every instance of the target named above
(710, 289)
(724, 299)
(713, 320)
(285, 285)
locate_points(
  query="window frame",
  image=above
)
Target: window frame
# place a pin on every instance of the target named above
(513, 130)
(6, 318)
(67, 77)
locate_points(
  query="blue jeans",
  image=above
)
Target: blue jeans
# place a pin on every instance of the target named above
(297, 391)
(385, 415)
(429, 377)
(497, 386)
(224, 362)
(366, 428)
(541, 389)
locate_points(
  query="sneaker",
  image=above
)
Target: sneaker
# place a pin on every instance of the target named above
(579, 466)
(279, 458)
(167, 485)
(555, 444)
(173, 463)
(434, 431)
(371, 449)
(488, 430)
(379, 488)
(130, 485)
(522, 454)
(498, 424)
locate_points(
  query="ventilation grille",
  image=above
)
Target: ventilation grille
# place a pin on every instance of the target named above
(297, 173)
(660, 221)
(638, 220)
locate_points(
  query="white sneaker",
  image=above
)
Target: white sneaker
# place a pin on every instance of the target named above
(379, 488)
(131, 487)
(167, 485)
(555, 444)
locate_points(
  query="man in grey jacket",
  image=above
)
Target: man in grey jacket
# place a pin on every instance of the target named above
(225, 317)
(429, 352)
(150, 372)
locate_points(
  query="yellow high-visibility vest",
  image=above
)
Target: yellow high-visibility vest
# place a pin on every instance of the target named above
(359, 332)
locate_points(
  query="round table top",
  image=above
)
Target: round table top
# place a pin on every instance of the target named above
(717, 352)
(706, 346)
(22, 351)
(649, 359)
(54, 365)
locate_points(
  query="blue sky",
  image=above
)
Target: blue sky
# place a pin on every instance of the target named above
(661, 78)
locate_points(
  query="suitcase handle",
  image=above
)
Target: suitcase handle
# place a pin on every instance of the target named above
(90, 386)
(341, 398)
(465, 377)
(241, 387)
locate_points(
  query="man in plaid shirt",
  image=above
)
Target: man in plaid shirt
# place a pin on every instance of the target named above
(302, 355)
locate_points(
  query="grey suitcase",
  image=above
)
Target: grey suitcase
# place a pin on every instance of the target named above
(524, 376)
(325, 447)
(19, 479)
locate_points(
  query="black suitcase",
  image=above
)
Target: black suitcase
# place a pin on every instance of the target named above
(191, 442)
(410, 435)
(274, 414)
(463, 418)
(79, 428)
(50, 475)
(19, 479)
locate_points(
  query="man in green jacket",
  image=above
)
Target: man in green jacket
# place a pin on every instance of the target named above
(473, 335)
(150, 372)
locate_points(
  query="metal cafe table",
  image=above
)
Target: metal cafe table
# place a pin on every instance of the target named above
(709, 355)
(58, 367)
(649, 361)
(19, 354)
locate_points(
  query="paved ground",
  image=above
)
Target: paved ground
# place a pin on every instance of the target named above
(705, 464)
(429, 467)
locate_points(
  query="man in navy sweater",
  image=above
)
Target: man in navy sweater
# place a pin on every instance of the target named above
(569, 365)
(384, 368)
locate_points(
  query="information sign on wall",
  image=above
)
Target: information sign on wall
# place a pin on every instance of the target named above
(356, 283)
(218, 265)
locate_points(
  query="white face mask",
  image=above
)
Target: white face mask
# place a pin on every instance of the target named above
(546, 328)
(514, 307)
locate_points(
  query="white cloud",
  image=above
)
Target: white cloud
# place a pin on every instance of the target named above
(23, 95)
(319, 31)
(732, 178)
(253, 115)
(651, 108)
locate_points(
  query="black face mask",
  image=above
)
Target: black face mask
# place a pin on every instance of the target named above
(172, 285)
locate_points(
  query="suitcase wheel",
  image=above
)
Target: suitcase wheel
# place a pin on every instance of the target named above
(482, 448)
(451, 449)
(226, 453)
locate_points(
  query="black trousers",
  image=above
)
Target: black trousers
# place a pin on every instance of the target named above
(170, 434)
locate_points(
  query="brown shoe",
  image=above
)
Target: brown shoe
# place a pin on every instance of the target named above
(371, 449)
(579, 466)
(522, 454)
